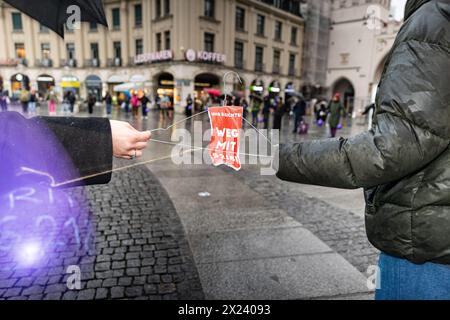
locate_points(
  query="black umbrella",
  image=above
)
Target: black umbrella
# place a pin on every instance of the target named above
(53, 13)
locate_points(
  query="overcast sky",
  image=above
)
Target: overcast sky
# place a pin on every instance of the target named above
(399, 7)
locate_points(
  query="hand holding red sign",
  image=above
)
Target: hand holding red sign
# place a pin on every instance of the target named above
(226, 125)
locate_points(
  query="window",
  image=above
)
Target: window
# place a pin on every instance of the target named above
(294, 36)
(45, 51)
(94, 51)
(259, 58)
(209, 42)
(138, 15)
(20, 50)
(167, 43)
(210, 8)
(292, 59)
(239, 54)
(43, 29)
(139, 45)
(158, 8)
(166, 7)
(117, 50)
(93, 27)
(158, 41)
(70, 51)
(260, 25)
(276, 61)
(17, 21)
(240, 18)
(278, 30)
(116, 18)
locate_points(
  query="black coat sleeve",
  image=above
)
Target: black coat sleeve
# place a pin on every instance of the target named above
(410, 127)
(88, 143)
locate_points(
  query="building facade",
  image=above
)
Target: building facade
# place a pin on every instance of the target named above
(316, 46)
(175, 47)
(361, 36)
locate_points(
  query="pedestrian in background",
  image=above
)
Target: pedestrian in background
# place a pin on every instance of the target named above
(280, 110)
(66, 103)
(24, 99)
(135, 103)
(336, 111)
(72, 100)
(52, 100)
(244, 105)
(108, 102)
(266, 110)
(91, 101)
(145, 100)
(4, 100)
(189, 105)
(32, 102)
(255, 109)
(299, 112)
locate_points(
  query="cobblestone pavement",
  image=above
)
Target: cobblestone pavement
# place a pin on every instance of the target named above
(340, 229)
(139, 249)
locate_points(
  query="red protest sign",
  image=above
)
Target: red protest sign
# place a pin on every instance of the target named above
(226, 125)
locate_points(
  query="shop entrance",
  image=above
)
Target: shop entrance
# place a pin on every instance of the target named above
(165, 85)
(94, 86)
(19, 82)
(45, 82)
(207, 88)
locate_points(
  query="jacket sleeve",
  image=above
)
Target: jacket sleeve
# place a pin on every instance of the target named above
(88, 143)
(410, 127)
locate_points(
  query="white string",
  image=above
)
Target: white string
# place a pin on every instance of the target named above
(259, 132)
(119, 169)
(178, 122)
(209, 149)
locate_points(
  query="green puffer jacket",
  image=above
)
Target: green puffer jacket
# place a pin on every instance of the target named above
(403, 162)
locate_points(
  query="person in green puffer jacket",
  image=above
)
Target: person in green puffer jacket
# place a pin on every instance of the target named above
(403, 162)
(336, 111)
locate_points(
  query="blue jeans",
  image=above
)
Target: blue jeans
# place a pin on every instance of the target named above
(403, 280)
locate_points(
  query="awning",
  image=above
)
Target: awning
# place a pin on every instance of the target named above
(124, 87)
(70, 82)
(117, 79)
